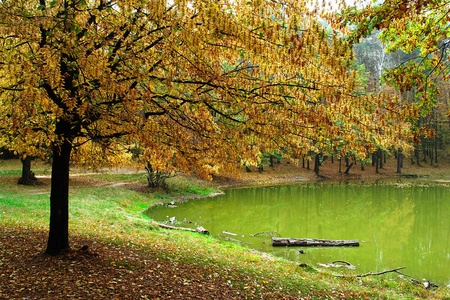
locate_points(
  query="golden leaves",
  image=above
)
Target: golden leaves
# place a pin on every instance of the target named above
(218, 80)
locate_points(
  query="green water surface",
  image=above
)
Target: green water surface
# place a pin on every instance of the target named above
(398, 224)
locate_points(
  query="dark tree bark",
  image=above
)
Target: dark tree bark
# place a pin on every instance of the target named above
(349, 167)
(271, 161)
(260, 168)
(435, 150)
(417, 155)
(58, 238)
(28, 177)
(340, 165)
(424, 151)
(399, 161)
(375, 161)
(380, 158)
(316, 164)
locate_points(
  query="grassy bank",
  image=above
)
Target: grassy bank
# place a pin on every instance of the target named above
(130, 257)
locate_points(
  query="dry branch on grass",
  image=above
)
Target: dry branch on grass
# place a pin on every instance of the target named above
(369, 274)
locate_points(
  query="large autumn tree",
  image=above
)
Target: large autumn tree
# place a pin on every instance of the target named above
(197, 84)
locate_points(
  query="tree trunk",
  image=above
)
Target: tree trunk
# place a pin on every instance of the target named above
(417, 155)
(424, 151)
(375, 161)
(27, 175)
(380, 158)
(340, 165)
(435, 142)
(349, 167)
(316, 164)
(58, 238)
(399, 161)
(260, 168)
(271, 161)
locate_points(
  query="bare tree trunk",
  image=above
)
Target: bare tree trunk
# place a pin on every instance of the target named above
(316, 164)
(349, 167)
(260, 168)
(417, 155)
(28, 177)
(380, 158)
(376, 163)
(399, 161)
(58, 238)
(271, 161)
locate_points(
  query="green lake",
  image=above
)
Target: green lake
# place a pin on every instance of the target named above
(403, 223)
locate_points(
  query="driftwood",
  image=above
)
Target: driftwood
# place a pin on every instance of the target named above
(338, 264)
(229, 233)
(277, 241)
(267, 233)
(370, 273)
(425, 283)
(199, 229)
(237, 241)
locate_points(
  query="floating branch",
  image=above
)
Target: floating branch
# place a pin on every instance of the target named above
(338, 264)
(276, 241)
(238, 241)
(267, 233)
(199, 229)
(229, 233)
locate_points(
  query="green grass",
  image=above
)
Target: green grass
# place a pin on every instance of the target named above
(114, 213)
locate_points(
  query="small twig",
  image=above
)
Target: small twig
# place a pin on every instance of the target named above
(342, 261)
(370, 273)
(267, 233)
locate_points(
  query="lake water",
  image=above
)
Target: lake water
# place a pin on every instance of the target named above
(398, 223)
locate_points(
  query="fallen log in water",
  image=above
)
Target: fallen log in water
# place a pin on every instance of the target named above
(199, 229)
(277, 241)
